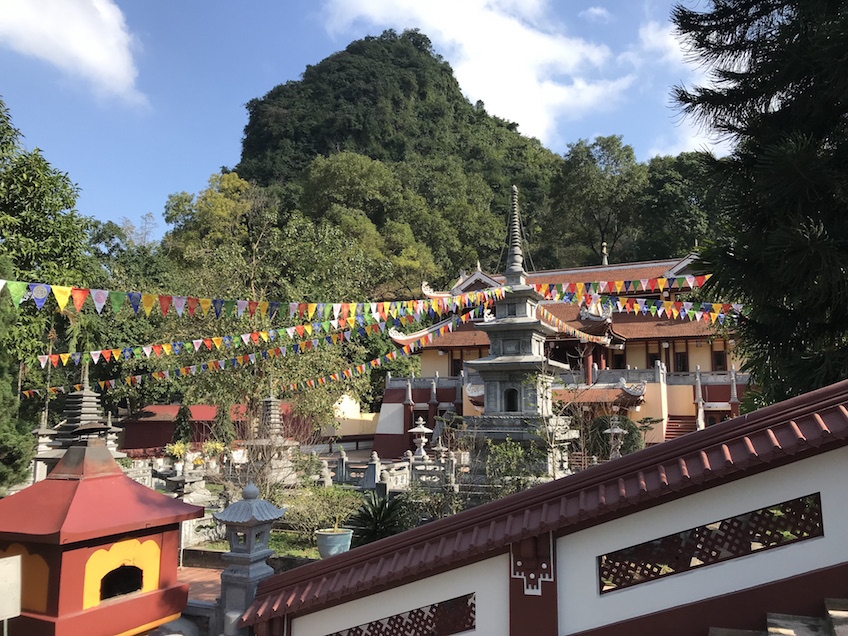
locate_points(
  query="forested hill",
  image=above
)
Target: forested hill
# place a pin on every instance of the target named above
(379, 140)
(393, 99)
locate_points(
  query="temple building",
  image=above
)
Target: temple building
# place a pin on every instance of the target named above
(654, 356)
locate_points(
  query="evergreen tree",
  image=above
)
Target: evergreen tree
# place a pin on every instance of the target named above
(779, 90)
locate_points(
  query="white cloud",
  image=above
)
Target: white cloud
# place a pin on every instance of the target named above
(688, 136)
(596, 14)
(510, 54)
(84, 38)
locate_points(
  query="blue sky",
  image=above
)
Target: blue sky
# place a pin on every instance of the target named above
(138, 100)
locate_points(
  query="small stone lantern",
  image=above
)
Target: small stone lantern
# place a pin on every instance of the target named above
(616, 434)
(422, 431)
(248, 524)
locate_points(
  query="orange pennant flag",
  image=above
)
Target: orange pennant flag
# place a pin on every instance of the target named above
(79, 294)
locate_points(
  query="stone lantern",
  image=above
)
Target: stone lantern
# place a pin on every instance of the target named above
(248, 524)
(421, 431)
(616, 434)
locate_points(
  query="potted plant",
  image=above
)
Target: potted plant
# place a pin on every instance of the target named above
(212, 450)
(336, 505)
(177, 450)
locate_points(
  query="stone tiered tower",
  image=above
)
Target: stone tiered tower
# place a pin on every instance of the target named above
(516, 374)
(83, 418)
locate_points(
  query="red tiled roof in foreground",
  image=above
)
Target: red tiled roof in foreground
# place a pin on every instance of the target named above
(776, 435)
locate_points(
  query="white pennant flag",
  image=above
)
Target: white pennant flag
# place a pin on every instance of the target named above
(147, 350)
(99, 297)
(196, 344)
(42, 359)
(95, 356)
(337, 307)
(241, 305)
(245, 338)
(179, 304)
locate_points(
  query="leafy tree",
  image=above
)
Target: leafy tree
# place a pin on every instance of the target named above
(44, 239)
(779, 70)
(677, 208)
(182, 425)
(16, 446)
(593, 200)
(598, 443)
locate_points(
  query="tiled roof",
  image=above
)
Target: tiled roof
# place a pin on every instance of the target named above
(622, 271)
(464, 336)
(776, 435)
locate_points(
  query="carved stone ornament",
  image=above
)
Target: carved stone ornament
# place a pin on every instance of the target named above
(596, 313)
(532, 561)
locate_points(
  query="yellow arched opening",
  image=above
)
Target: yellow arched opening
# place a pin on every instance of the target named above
(35, 578)
(145, 556)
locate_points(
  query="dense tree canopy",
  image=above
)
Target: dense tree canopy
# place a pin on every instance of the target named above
(780, 80)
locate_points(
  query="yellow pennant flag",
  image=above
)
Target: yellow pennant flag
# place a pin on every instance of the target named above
(619, 285)
(308, 328)
(65, 357)
(147, 301)
(205, 304)
(116, 354)
(351, 321)
(716, 309)
(62, 295)
(167, 348)
(263, 308)
(713, 316)
(264, 335)
(661, 283)
(311, 309)
(218, 340)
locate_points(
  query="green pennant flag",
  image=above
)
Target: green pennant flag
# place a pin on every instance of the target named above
(137, 352)
(595, 287)
(681, 282)
(16, 289)
(229, 305)
(326, 326)
(117, 298)
(328, 309)
(653, 310)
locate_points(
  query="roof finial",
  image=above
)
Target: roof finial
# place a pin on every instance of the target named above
(604, 254)
(515, 274)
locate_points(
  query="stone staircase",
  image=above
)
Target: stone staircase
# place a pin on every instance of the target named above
(679, 425)
(833, 623)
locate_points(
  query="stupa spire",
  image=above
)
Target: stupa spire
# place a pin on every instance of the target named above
(515, 274)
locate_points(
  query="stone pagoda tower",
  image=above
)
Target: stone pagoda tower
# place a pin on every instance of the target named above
(516, 374)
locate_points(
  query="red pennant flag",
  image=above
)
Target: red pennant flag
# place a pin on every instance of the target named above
(54, 359)
(79, 295)
(165, 303)
(191, 303)
(251, 307)
(301, 309)
(700, 280)
(106, 354)
(157, 348)
(299, 330)
(254, 335)
(208, 343)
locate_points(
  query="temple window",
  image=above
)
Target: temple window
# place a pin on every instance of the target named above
(122, 580)
(681, 361)
(511, 400)
(719, 361)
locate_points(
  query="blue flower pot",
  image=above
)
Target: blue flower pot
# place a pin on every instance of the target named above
(332, 543)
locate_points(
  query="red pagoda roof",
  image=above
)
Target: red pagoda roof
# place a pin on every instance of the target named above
(87, 496)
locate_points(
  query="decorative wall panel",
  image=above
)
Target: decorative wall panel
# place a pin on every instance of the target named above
(444, 618)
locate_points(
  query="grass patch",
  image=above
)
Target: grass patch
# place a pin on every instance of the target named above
(283, 543)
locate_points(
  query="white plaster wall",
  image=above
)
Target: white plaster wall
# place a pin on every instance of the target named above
(581, 606)
(489, 579)
(391, 419)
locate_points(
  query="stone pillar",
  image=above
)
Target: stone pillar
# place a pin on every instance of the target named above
(372, 472)
(342, 474)
(457, 401)
(699, 400)
(734, 398)
(408, 412)
(248, 524)
(433, 404)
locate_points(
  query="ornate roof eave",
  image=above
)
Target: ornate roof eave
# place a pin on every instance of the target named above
(401, 339)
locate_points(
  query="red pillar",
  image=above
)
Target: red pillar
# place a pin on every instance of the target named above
(587, 366)
(533, 587)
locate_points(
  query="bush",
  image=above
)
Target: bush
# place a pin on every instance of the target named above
(598, 443)
(311, 509)
(377, 518)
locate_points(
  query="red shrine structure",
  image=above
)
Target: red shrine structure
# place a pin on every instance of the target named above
(99, 551)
